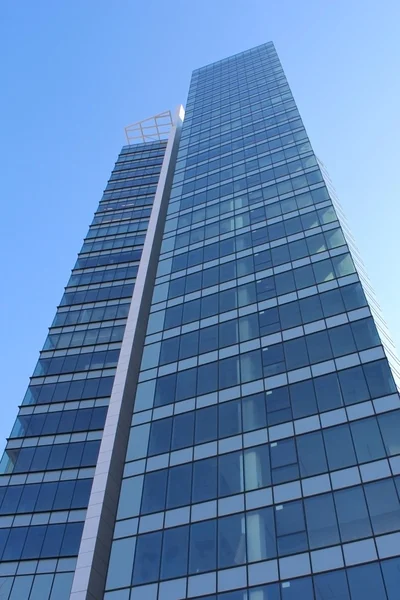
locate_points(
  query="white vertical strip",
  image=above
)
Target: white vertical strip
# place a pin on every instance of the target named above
(92, 563)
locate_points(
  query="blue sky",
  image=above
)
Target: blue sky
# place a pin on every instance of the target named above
(77, 72)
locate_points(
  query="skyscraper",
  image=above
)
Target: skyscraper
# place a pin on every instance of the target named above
(219, 309)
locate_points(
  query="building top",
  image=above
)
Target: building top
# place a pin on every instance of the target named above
(152, 129)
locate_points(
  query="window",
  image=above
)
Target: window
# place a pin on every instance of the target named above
(154, 490)
(229, 419)
(260, 534)
(290, 528)
(296, 353)
(366, 582)
(230, 474)
(389, 424)
(147, 558)
(182, 432)
(204, 480)
(331, 585)
(353, 385)
(302, 398)
(339, 447)
(352, 514)
(391, 569)
(174, 552)
(231, 541)
(311, 452)
(383, 505)
(179, 485)
(321, 521)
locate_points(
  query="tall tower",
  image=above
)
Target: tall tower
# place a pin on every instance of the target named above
(250, 450)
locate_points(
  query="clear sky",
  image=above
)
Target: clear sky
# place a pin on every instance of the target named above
(75, 72)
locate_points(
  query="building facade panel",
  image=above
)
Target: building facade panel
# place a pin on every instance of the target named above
(215, 413)
(262, 459)
(50, 458)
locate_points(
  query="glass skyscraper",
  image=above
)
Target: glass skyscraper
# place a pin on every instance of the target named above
(215, 411)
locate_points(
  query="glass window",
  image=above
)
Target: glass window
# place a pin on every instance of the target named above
(179, 485)
(290, 528)
(189, 345)
(138, 441)
(72, 538)
(250, 366)
(311, 309)
(269, 321)
(207, 377)
(230, 474)
(332, 303)
(185, 384)
(379, 378)
(321, 521)
(389, 424)
(367, 440)
(203, 547)
(46, 496)
(147, 558)
(366, 582)
(183, 431)
(257, 470)
(22, 587)
(204, 480)
(206, 425)
(228, 371)
(5, 587)
(248, 327)
(231, 541)
(34, 542)
(160, 436)
(174, 552)
(260, 534)
(169, 350)
(383, 505)
(296, 353)
(165, 390)
(311, 452)
(323, 271)
(254, 415)
(339, 447)
(391, 570)
(64, 494)
(208, 338)
(15, 543)
(229, 418)
(121, 563)
(289, 315)
(352, 514)
(11, 499)
(62, 586)
(331, 585)
(365, 334)
(130, 497)
(284, 461)
(353, 296)
(154, 490)
(328, 392)
(52, 542)
(353, 385)
(318, 346)
(302, 397)
(304, 277)
(342, 340)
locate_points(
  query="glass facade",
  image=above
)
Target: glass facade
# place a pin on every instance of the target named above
(263, 455)
(49, 462)
(249, 447)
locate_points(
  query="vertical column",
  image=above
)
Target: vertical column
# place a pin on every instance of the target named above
(93, 555)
